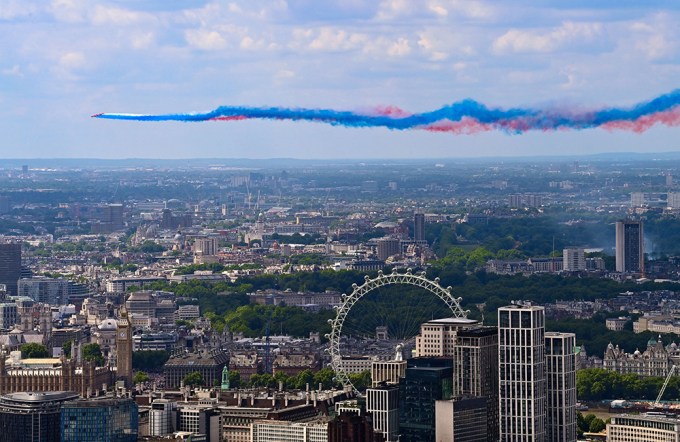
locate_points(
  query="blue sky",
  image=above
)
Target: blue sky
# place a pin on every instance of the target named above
(64, 60)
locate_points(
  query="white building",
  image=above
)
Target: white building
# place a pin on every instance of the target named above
(438, 337)
(161, 417)
(383, 404)
(523, 402)
(284, 431)
(560, 366)
(650, 427)
(574, 259)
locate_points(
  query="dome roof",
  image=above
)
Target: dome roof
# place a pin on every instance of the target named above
(108, 324)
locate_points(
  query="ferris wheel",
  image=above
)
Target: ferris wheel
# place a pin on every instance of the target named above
(371, 284)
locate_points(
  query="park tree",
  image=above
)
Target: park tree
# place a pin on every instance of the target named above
(93, 352)
(33, 351)
(66, 348)
(193, 379)
(140, 377)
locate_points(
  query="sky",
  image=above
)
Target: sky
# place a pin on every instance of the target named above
(62, 61)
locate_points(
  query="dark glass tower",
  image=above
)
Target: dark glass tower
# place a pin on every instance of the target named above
(427, 380)
(10, 267)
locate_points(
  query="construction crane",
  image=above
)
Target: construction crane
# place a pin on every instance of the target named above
(665, 384)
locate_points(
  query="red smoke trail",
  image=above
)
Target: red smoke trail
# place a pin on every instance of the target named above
(391, 111)
(229, 118)
(466, 126)
(669, 118)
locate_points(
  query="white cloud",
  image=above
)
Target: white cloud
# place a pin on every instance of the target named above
(517, 40)
(103, 15)
(327, 39)
(72, 60)
(14, 9)
(70, 11)
(205, 39)
(14, 71)
(656, 38)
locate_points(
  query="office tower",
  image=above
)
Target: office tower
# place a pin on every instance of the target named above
(438, 337)
(107, 420)
(162, 417)
(461, 420)
(32, 417)
(10, 267)
(124, 348)
(9, 316)
(427, 381)
(113, 215)
(573, 259)
(475, 373)
(673, 200)
(521, 369)
(200, 419)
(388, 247)
(383, 404)
(206, 246)
(419, 227)
(630, 247)
(46, 290)
(560, 370)
(515, 201)
(637, 199)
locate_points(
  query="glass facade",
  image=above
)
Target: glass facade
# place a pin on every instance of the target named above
(107, 420)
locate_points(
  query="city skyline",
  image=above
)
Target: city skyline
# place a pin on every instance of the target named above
(66, 60)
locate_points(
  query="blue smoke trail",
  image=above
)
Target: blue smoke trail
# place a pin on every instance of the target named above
(467, 113)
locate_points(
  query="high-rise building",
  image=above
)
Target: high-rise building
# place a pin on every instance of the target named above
(673, 200)
(106, 420)
(162, 417)
(437, 338)
(573, 259)
(475, 373)
(630, 247)
(46, 290)
(200, 419)
(460, 420)
(427, 381)
(560, 367)
(521, 368)
(206, 246)
(113, 215)
(383, 404)
(637, 199)
(387, 247)
(419, 226)
(9, 316)
(10, 267)
(32, 417)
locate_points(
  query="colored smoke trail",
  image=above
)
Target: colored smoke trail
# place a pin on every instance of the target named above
(463, 117)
